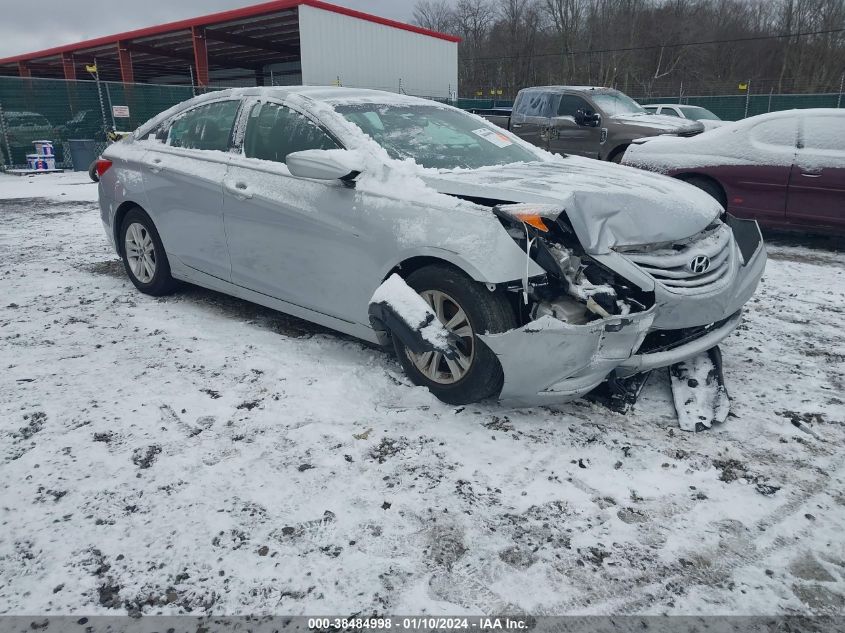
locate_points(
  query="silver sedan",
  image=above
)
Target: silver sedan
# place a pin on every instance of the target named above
(549, 273)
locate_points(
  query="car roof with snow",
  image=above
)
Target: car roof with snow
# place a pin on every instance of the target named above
(327, 94)
(601, 89)
(672, 105)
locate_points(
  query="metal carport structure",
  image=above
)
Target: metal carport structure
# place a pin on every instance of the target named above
(296, 41)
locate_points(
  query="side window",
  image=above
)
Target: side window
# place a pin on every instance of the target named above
(823, 132)
(777, 134)
(207, 127)
(669, 112)
(570, 104)
(274, 131)
(536, 103)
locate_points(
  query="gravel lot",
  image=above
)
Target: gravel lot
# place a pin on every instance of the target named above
(200, 454)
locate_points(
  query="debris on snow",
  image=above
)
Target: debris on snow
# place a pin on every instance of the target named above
(699, 392)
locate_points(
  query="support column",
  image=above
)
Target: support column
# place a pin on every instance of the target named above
(127, 72)
(69, 67)
(23, 70)
(200, 55)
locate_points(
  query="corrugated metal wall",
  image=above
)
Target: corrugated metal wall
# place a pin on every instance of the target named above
(364, 54)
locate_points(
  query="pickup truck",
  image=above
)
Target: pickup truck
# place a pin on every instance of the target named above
(589, 121)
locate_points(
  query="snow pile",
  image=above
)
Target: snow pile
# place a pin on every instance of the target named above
(413, 310)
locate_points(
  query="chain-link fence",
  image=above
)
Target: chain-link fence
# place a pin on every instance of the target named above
(736, 107)
(60, 111)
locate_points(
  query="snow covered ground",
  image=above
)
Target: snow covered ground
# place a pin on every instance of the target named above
(200, 454)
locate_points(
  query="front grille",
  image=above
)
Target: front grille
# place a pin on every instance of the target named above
(690, 133)
(679, 267)
(665, 340)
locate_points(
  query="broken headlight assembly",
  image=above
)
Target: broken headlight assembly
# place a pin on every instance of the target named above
(575, 287)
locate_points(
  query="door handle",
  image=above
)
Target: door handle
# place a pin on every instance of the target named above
(516, 126)
(240, 190)
(811, 174)
(156, 166)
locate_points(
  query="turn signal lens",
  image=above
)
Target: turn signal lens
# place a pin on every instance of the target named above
(534, 220)
(102, 166)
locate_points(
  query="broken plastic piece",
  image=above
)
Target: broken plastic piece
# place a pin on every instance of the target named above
(699, 392)
(397, 308)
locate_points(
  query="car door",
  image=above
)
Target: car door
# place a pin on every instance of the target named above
(293, 239)
(817, 181)
(567, 135)
(183, 176)
(756, 182)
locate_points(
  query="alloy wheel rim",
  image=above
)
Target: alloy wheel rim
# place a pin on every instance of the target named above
(140, 252)
(434, 365)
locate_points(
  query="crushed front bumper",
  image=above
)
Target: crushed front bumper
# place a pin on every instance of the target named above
(549, 361)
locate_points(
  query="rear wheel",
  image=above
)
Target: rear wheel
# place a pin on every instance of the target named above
(143, 254)
(618, 154)
(466, 308)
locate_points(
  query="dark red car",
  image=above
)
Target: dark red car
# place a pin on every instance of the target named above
(783, 169)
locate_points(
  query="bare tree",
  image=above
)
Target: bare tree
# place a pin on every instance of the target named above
(434, 14)
(646, 47)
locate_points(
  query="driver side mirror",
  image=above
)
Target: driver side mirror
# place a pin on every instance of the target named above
(587, 118)
(323, 164)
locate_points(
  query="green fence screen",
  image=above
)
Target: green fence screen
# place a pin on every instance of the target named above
(59, 110)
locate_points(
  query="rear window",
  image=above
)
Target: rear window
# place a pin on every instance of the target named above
(207, 127)
(824, 132)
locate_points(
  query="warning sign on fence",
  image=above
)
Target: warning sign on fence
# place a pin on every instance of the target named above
(120, 112)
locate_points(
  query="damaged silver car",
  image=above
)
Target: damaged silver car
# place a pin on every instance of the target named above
(541, 276)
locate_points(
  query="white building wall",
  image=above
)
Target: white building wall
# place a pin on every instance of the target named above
(364, 54)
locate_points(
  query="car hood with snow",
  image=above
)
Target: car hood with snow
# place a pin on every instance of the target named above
(608, 205)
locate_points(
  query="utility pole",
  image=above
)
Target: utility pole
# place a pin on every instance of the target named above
(841, 85)
(5, 132)
(96, 73)
(747, 97)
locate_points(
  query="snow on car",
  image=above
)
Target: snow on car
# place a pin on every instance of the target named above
(784, 169)
(551, 273)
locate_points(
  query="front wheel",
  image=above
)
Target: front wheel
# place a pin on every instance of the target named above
(143, 255)
(92, 172)
(466, 308)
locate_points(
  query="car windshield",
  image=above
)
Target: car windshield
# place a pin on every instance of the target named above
(699, 114)
(436, 137)
(613, 103)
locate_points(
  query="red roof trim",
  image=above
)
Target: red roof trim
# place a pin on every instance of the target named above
(225, 16)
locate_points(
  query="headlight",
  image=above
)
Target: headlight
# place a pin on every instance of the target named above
(537, 215)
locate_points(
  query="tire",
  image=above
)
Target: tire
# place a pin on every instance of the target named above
(710, 187)
(485, 312)
(143, 238)
(617, 155)
(92, 172)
